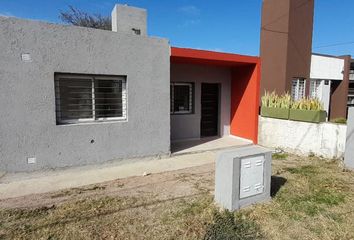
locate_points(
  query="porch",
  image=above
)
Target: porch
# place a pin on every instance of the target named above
(207, 144)
(213, 96)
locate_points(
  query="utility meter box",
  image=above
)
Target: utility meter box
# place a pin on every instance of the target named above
(243, 177)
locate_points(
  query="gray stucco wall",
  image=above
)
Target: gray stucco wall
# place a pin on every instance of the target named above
(187, 126)
(349, 149)
(27, 102)
(125, 18)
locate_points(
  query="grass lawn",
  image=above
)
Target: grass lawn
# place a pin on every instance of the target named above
(313, 198)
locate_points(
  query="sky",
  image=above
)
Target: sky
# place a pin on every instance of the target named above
(219, 25)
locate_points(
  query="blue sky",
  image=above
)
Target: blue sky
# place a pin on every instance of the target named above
(223, 25)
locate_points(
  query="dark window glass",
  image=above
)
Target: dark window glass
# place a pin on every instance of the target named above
(181, 98)
(75, 98)
(82, 98)
(108, 99)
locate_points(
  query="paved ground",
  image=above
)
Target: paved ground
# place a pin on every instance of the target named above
(210, 143)
(189, 154)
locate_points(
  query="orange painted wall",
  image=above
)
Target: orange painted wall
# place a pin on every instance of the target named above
(245, 101)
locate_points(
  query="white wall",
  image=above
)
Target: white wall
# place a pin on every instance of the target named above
(324, 139)
(349, 152)
(325, 67)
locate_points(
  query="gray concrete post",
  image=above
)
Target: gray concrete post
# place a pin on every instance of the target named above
(128, 19)
(243, 177)
(349, 146)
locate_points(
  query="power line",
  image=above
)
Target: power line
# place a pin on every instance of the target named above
(334, 45)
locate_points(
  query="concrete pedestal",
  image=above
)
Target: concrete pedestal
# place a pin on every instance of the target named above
(243, 177)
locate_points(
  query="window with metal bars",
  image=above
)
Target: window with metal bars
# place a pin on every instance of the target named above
(315, 88)
(181, 98)
(298, 88)
(351, 94)
(89, 98)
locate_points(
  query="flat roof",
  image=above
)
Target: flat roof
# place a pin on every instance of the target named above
(196, 56)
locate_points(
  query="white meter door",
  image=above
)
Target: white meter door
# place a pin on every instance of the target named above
(251, 176)
(326, 94)
(321, 89)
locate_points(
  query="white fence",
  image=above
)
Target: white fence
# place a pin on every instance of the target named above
(324, 139)
(349, 151)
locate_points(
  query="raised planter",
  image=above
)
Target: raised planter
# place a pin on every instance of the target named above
(281, 113)
(308, 115)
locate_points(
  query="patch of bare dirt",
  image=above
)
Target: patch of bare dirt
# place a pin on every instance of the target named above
(163, 186)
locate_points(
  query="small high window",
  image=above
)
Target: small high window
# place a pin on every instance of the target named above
(90, 98)
(182, 98)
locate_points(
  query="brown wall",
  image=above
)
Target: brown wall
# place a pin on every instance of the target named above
(286, 40)
(339, 94)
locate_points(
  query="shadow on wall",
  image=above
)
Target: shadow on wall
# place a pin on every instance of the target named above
(244, 96)
(276, 184)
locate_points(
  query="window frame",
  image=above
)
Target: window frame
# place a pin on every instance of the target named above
(350, 99)
(296, 96)
(92, 77)
(315, 84)
(191, 98)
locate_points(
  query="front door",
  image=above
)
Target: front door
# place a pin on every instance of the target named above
(209, 110)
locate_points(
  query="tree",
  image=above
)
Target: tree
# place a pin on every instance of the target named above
(77, 17)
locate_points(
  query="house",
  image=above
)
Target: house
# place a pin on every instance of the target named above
(74, 96)
(288, 64)
(351, 85)
(286, 45)
(329, 79)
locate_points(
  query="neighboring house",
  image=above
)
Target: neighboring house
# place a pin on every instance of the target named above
(288, 64)
(286, 40)
(327, 73)
(351, 85)
(74, 96)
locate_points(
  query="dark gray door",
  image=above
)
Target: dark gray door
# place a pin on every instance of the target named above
(209, 110)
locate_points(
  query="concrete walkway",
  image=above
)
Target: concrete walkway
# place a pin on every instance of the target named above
(21, 184)
(207, 144)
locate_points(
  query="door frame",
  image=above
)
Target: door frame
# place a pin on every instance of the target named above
(219, 85)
